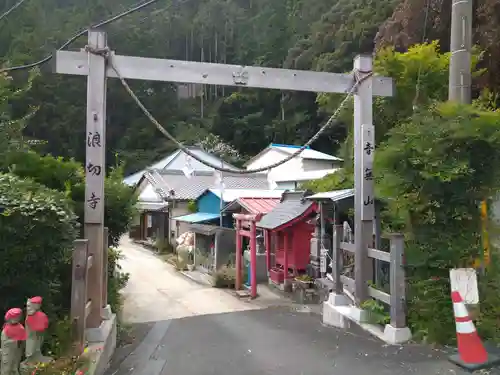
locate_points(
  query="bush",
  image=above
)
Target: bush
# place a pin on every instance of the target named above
(55, 173)
(37, 230)
(68, 176)
(225, 277)
(116, 280)
(434, 171)
(119, 206)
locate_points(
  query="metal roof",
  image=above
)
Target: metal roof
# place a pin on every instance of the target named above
(230, 195)
(197, 217)
(151, 206)
(335, 195)
(164, 163)
(308, 153)
(258, 205)
(184, 188)
(292, 205)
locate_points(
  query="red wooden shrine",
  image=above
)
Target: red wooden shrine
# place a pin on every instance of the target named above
(291, 242)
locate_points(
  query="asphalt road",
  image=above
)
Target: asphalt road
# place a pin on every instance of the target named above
(211, 332)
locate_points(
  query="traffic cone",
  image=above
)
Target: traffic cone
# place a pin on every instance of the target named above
(471, 352)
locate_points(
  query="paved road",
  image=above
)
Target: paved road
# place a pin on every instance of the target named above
(187, 329)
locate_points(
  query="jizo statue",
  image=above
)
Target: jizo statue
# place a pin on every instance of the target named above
(13, 334)
(36, 324)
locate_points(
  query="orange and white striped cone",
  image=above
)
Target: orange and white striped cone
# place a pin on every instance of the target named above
(471, 352)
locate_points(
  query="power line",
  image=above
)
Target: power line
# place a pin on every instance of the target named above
(357, 82)
(11, 9)
(79, 34)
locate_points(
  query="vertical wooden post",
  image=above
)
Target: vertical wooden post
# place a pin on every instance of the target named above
(337, 259)
(105, 269)
(95, 166)
(79, 292)
(238, 255)
(397, 282)
(267, 238)
(285, 256)
(363, 176)
(253, 259)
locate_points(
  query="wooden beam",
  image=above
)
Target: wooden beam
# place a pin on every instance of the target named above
(165, 70)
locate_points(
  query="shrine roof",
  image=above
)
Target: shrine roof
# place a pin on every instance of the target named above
(292, 206)
(257, 205)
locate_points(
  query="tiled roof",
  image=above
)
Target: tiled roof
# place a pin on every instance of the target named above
(183, 188)
(166, 161)
(258, 205)
(293, 205)
(230, 195)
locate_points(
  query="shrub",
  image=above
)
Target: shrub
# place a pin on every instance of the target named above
(225, 277)
(435, 170)
(37, 230)
(55, 173)
(116, 280)
(119, 209)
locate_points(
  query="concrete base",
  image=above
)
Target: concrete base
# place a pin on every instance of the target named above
(396, 336)
(332, 317)
(335, 299)
(492, 361)
(106, 312)
(102, 345)
(339, 312)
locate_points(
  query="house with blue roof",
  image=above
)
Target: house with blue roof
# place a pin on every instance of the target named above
(309, 165)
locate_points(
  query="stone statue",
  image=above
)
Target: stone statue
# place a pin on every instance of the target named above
(36, 323)
(13, 333)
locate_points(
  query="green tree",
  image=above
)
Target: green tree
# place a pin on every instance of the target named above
(433, 171)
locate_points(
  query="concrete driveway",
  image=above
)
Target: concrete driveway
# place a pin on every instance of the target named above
(183, 328)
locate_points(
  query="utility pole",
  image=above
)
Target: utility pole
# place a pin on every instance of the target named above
(460, 47)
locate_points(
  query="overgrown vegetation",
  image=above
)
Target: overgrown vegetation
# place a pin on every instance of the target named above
(41, 212)
(436, 169)
(37, 230)
(435, 162)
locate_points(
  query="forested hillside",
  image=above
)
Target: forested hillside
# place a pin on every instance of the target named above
(303, 34)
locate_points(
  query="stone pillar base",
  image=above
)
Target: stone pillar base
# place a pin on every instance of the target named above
(331, 317)
(106, 312)
(395, 336)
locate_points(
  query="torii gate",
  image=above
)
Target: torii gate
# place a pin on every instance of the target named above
(250, 221)
(94, 66)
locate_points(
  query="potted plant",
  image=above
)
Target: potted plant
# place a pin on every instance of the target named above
(304, 281)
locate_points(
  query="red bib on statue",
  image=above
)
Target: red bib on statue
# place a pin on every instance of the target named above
(37, 322)
(15, 331)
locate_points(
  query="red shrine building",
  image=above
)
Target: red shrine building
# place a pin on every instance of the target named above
(287, 233)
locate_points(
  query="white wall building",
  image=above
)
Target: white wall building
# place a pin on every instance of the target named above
(307, 166)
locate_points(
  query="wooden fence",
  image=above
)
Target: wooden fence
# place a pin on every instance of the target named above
(83, 287)
(396, 298)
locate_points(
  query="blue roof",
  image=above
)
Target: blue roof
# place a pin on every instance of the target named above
(288, 146)
(197, 217)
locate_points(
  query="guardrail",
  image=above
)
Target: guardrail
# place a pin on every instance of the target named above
(396, 299)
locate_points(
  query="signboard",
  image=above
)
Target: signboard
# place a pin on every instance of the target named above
(367, 184)
(464, 281)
